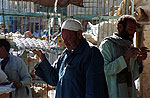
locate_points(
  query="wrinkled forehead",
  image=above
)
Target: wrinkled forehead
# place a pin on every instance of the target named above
(68, 33)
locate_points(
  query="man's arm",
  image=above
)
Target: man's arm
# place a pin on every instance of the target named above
(47, 73)
(111, 67)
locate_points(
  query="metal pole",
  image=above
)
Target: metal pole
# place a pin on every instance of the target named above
(126, 7)
(3, 16)
(132, 13)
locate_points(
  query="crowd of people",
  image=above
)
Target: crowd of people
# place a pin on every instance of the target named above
(83, 70)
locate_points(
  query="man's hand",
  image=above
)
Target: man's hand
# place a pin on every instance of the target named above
(131, 53)
(17, 84)
(142, 54)
(39, 54)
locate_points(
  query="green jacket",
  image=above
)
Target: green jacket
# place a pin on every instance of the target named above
(112, 49)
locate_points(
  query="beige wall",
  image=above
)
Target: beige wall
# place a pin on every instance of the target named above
(145, 76)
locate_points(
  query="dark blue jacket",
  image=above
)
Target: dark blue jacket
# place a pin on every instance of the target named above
(77, 74)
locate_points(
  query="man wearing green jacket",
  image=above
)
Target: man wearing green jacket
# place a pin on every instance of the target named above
(122, 62)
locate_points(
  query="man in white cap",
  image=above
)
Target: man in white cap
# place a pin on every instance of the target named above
(79, 71)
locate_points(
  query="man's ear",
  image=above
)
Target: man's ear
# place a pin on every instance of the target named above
(120, 27)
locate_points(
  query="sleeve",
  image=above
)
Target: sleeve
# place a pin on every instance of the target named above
(47, 73)
(136, 68)
(96, 86)
(24, 75)
(111, 67)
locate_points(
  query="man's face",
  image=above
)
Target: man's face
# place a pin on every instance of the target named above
(70, 38)
(128, 31)
(1, 51)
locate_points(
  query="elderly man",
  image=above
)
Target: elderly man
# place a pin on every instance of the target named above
(122, 62)
(79, 71)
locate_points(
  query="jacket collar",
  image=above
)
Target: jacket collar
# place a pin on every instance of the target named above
(79, 49)
(118, 40)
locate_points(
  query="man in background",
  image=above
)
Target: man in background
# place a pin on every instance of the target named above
(16, 71)
(122, 62)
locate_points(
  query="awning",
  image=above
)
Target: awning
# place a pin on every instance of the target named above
(61, 3)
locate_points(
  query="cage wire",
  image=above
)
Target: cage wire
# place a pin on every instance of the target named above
(21, 16)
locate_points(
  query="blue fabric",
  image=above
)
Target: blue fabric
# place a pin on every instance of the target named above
(79, 74)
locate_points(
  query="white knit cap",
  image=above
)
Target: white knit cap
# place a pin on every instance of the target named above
(71, 24)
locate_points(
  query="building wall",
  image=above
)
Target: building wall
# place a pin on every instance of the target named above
(17, 6)
(93, 7)
(145, 76)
